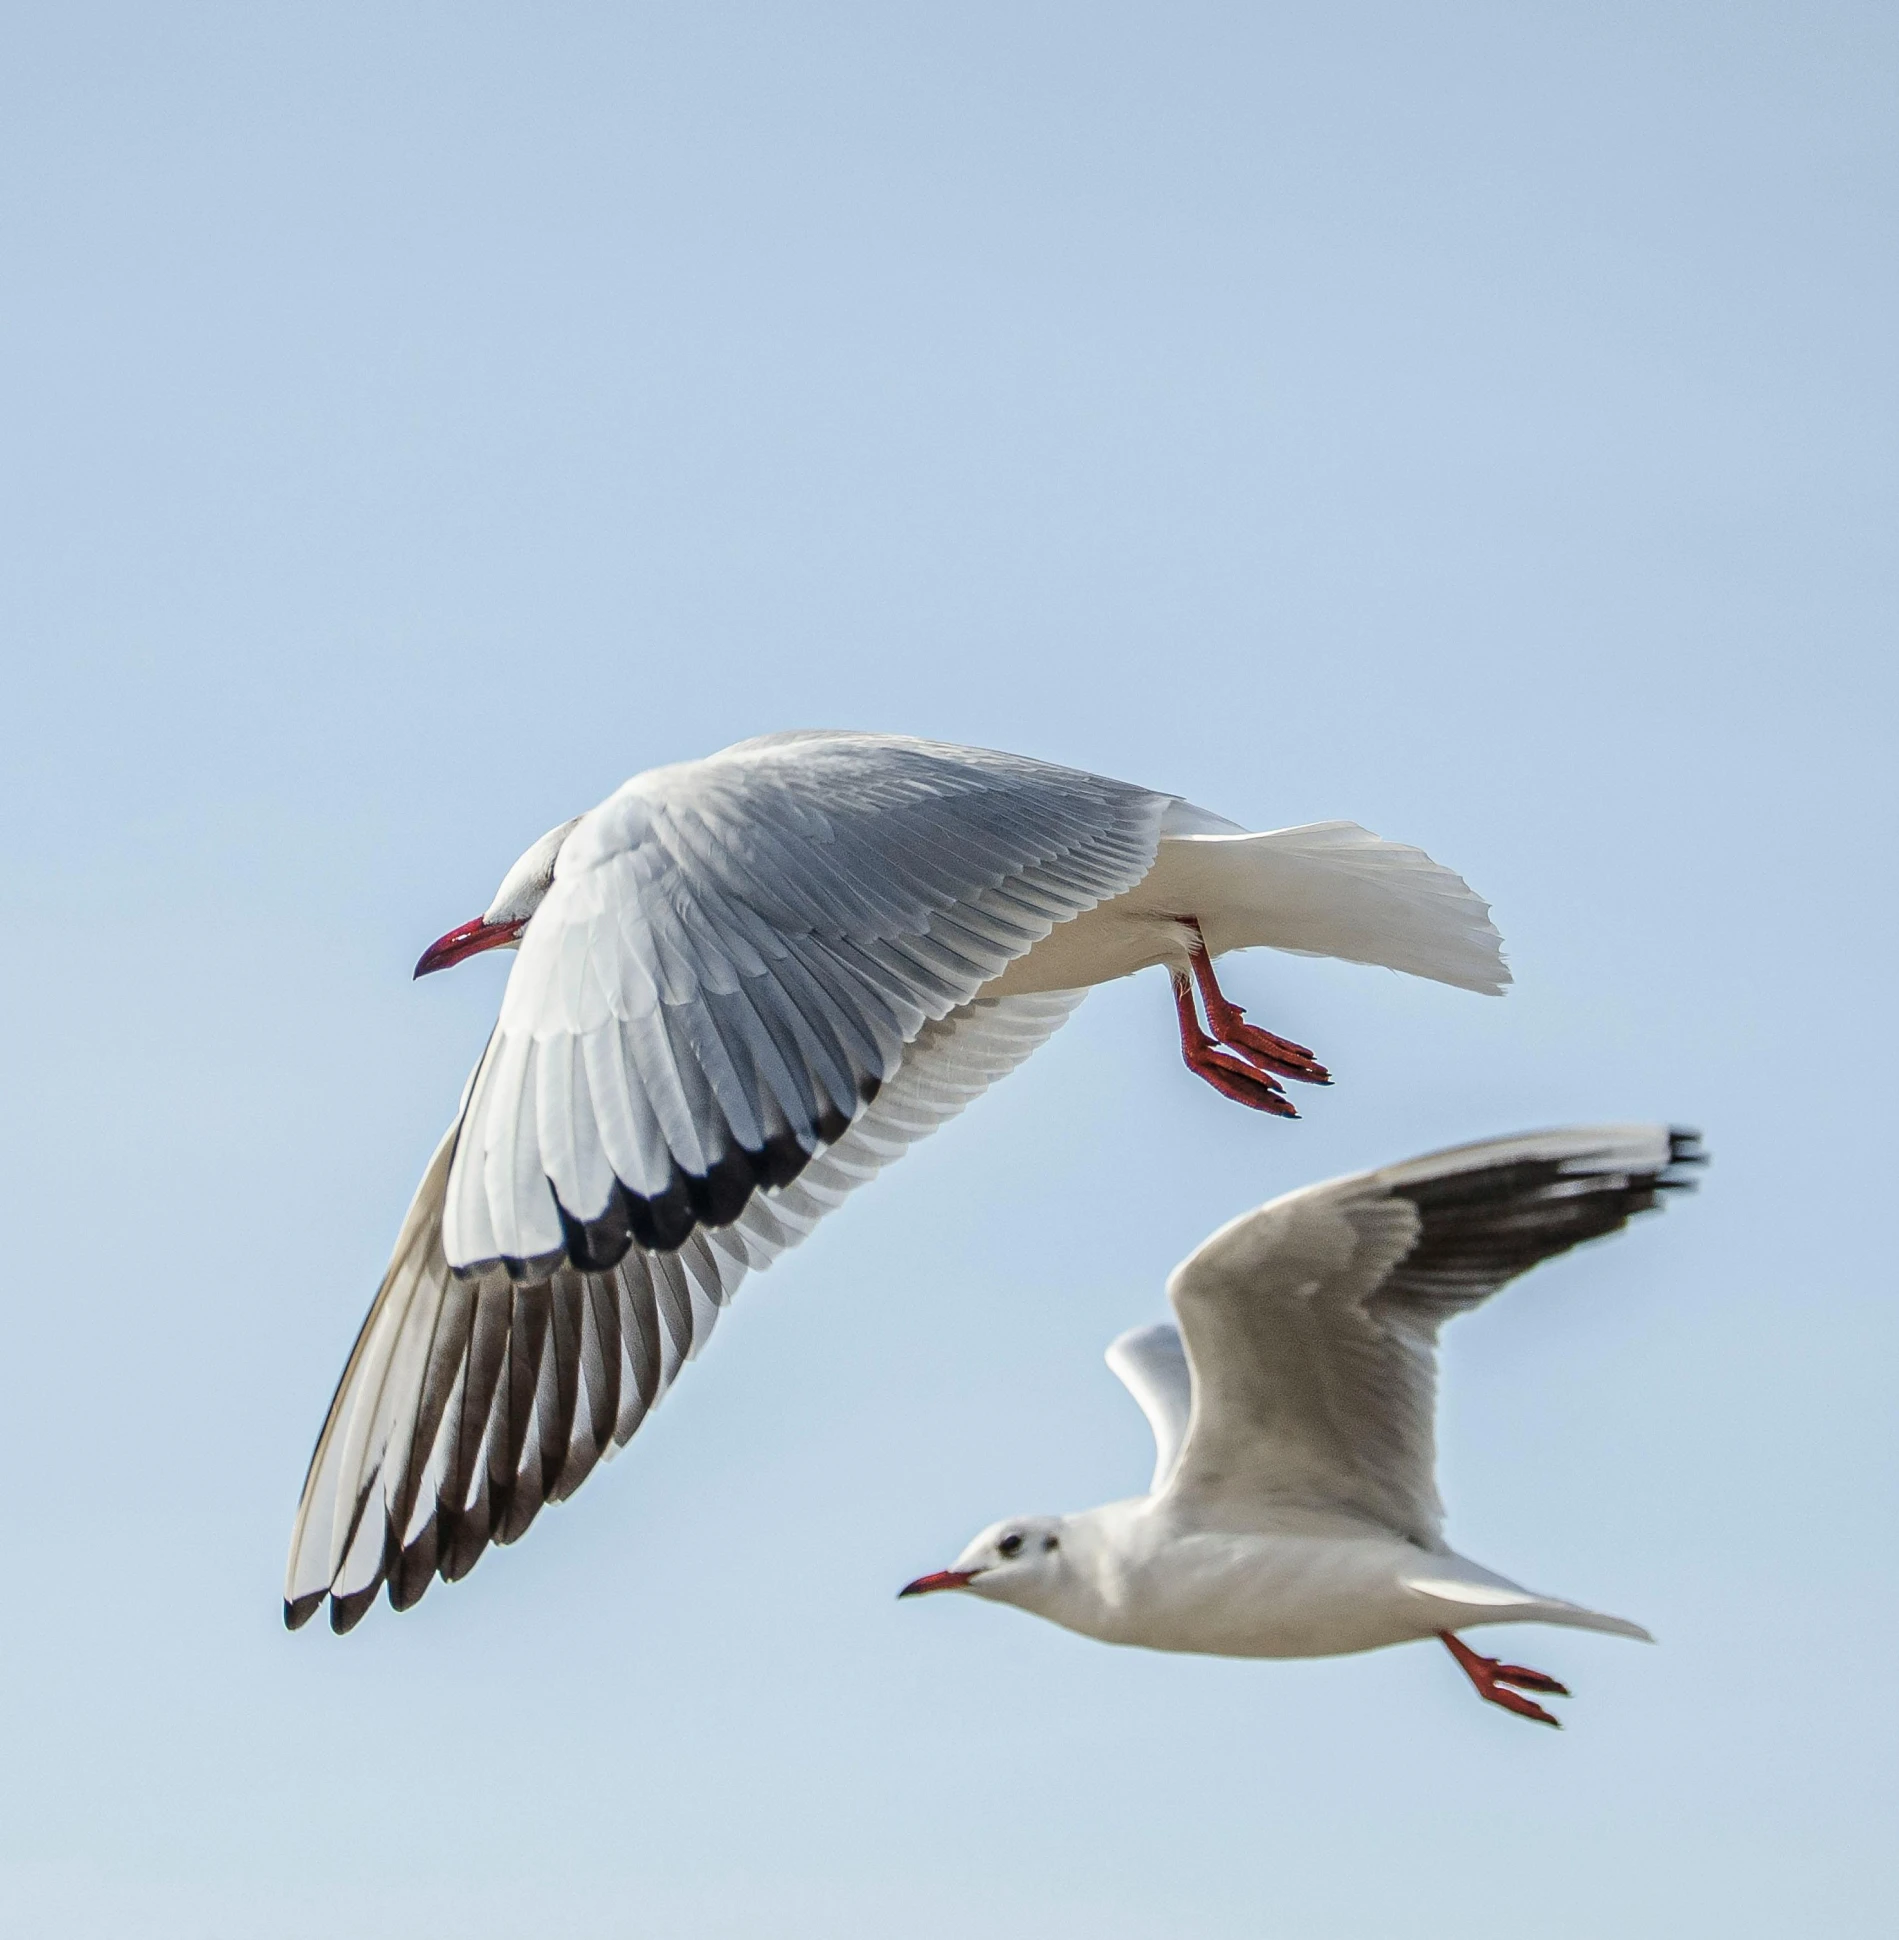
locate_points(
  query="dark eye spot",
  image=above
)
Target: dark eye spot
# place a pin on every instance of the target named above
(1051, 1542)
(1011, 1544)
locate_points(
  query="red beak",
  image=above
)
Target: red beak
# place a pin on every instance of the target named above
(938, 1580)
(467, 940)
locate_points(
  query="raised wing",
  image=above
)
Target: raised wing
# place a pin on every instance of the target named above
(1311, 1324)
(471, 1400)
(730, 961)
(1152, 1365)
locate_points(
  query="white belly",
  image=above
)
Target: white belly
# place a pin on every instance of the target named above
(1191, 879)
(1288, 1593)
(1114, 940)
(1279, 1596)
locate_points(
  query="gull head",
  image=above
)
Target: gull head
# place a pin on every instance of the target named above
(1019, 1561)
(499, 926)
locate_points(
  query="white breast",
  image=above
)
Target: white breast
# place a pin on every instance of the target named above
(1272, 1596)
(1137, 1576)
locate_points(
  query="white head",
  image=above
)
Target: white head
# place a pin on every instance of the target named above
(1020, 1561)
(499, 926)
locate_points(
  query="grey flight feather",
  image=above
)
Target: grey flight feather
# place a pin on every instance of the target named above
(1310, 1325)
(470, 1400)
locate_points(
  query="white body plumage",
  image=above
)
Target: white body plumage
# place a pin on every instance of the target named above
(1139, 1572)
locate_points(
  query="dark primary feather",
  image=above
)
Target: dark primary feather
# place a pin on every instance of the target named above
(528, 1387)
(1483, 1227)
(1311, 1324)
(469, 1402)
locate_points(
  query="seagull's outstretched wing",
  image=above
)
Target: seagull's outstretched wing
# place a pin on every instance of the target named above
(730, 961)
(1152, 1365)
(1311, 1324)
(472, 1399)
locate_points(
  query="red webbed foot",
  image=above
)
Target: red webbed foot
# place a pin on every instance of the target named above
(1227, 1021)
(1278, 1054)
(1232, 1077)
(1492, 1679)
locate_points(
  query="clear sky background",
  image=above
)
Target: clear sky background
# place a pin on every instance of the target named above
(1474, 420)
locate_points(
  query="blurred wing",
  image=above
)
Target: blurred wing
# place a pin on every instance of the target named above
(1311, 1324)
(471, 1400)
(728, 966)
(1152, 1365)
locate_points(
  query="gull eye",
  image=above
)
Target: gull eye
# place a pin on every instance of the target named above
(1051, 1542)
(1011, 1544)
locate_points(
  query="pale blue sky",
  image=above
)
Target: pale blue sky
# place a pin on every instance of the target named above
(1477, 421)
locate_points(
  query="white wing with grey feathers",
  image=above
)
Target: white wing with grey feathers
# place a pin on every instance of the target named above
(472, 1399)
(1310, 1325)
(732, 956)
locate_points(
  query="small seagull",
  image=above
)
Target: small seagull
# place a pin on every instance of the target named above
(1294, 1509)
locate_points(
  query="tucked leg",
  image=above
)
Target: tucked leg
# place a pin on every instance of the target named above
(1232, 1077)
(1493, 1679)
(1227, 1021)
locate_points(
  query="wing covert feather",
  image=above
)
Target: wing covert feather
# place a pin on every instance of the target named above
(731, 958)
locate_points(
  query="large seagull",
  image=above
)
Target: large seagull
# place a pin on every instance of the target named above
(745, 984)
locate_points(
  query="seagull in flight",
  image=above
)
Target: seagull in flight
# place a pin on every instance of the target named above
(1294, 1508)
(743, 985)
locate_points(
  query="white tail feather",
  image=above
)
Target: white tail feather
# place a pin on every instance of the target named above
(1333, 889)
(1482, 1598)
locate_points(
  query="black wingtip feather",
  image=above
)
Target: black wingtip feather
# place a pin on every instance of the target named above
(298, 1610)
(414, 1570)
(1684, 1148)
(1487, 1224)
(346, 1612)
(515, 1515)
(463, 1542)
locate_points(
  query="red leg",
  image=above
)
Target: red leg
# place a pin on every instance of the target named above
(1228, 1075)
(1492, 1678)
(1228, 1023)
